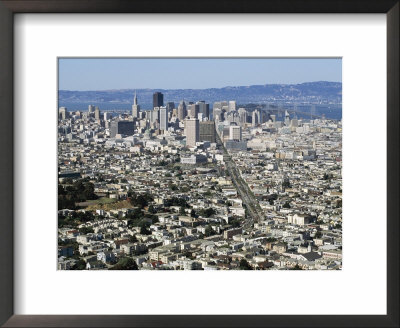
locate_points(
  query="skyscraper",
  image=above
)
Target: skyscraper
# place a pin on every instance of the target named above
(193, 110)
(192, 131)
(170, 106)
(207, 131)
(91, 108)
(158, 99)
(260, 116)
(121, 127)
(97, 113)
(218, 115)
(231, 105)
(287, 118)
(235, 133)
(182, 111)
(254, 118)
(242, 116)
(62, 113)
(135, 107)
(107, 116)
(155, 115)
(204, 108)
(163, 118)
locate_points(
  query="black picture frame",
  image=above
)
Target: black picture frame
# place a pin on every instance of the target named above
(7, 200)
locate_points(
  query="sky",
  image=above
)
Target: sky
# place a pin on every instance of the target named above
(84, 74)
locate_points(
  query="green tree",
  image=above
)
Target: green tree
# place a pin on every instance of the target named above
(244, 265)
(318, 234)
(86, 230)
(132, 239)
(209, 231)
(182, 211)
(79, 265)
(296, 267)
(126, 263)
(286, 183)
(152, 209)
(144, 231)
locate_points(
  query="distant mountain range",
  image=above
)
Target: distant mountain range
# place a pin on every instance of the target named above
(311, 92)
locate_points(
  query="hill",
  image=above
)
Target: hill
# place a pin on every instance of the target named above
(310, 92)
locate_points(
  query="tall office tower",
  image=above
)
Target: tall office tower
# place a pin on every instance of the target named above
(155, 115)
(107, 116)
(254, 118)
(170, 106)
(217, 104)
(218, 115)
(273, 117)
(62, 113)
(235, 133)
(135, 108)
(164, 118)
(91, 108)
(232, 117)
(242, 116)
(204, 108)
(231, 105)
(294, 123)
(207, 131)
(192, 131)
(121, 127)
(193, 110)
(260, 115)
(158, 99)
(182, 111)
(287, 118)
(97, 113)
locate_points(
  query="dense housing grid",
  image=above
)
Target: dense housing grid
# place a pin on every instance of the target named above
(181, 187)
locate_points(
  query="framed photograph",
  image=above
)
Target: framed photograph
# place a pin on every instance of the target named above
(206, 164)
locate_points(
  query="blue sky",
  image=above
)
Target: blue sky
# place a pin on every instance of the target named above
(160, 73)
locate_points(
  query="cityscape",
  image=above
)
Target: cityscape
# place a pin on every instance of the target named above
(199, 185)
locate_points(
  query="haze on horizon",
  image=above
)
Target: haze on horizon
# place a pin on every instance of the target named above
(95, 74)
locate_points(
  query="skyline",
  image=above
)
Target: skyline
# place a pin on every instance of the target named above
(96, 74)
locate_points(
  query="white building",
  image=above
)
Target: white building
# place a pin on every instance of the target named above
(235, 133)
(163, 118)
(192, 131)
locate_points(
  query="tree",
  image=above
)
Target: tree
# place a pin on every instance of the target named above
(338, 226)
(126, 263)
(207, 212)
(244, 265)
(193, 213)
(182, 211)
(86, 230)
(132, 239)
(296, 267)
(235, 223)
(144, 231)
(286, 183)
(286, 205)
(209, 231)
(152, 209)
(79, 265)
(318, 234)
